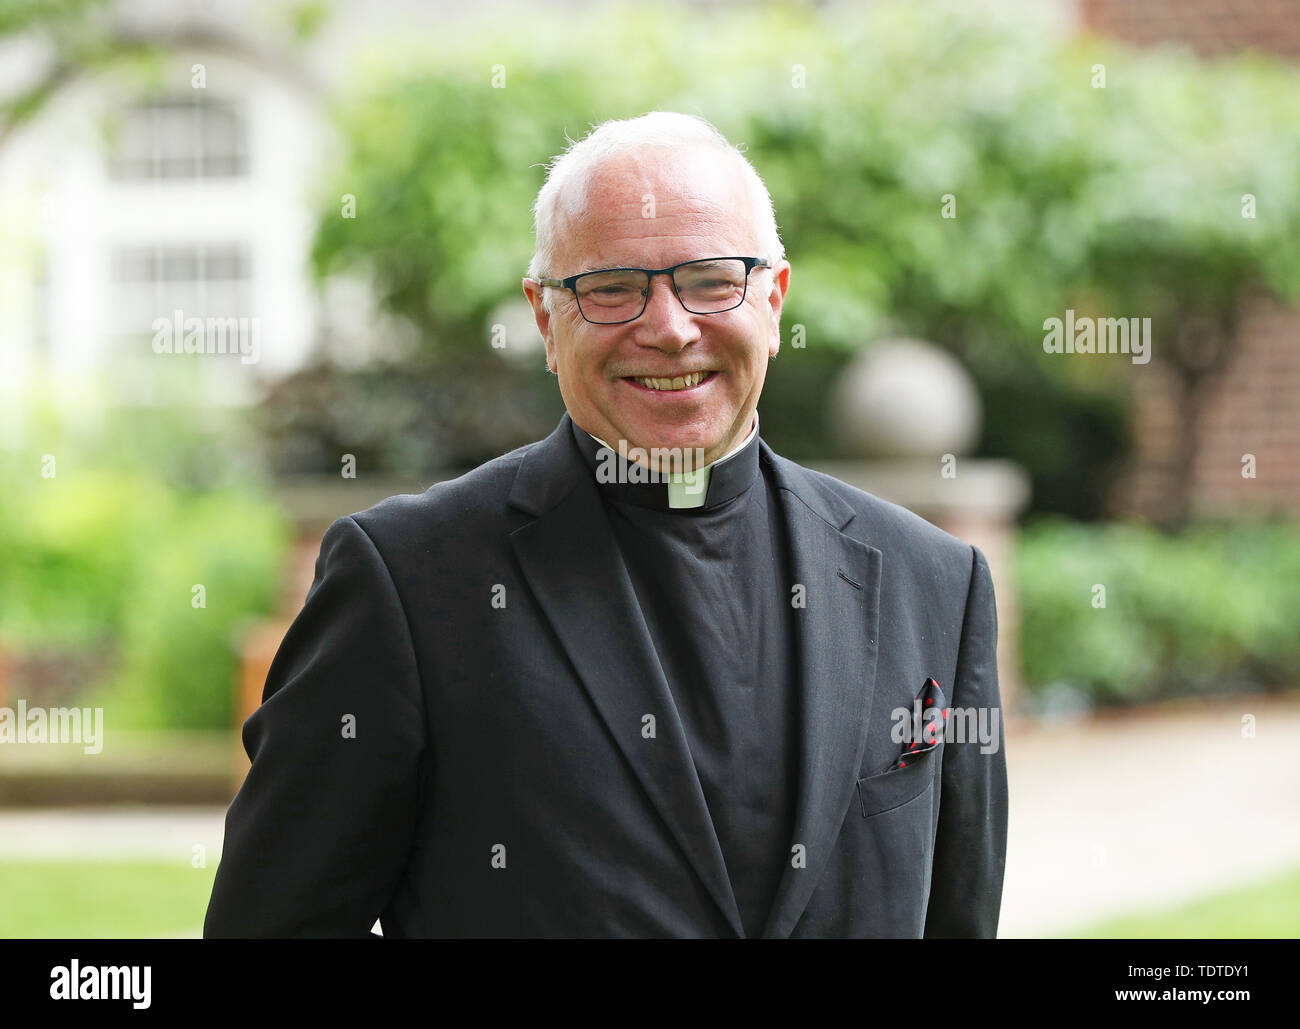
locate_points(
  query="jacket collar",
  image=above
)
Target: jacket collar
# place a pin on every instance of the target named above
(552, 468)
(687, 490)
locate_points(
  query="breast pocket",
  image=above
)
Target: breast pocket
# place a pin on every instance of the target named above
(894, 788)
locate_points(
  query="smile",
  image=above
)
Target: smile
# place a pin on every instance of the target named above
(677, 384)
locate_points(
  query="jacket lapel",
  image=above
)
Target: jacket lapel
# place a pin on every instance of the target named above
(572, 562)
(836, 640)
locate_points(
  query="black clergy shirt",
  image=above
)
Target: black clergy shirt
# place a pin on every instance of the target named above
(713, 585)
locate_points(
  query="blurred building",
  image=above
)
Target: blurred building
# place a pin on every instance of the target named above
(181, 202)
(183, 191)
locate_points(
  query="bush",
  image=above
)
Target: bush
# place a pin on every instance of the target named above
(180, 661)
(1212, 609)
(98, 561)
(68, 553)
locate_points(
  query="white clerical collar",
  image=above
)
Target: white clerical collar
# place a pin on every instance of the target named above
(684, 491)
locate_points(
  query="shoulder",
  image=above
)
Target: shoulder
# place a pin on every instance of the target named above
(459, 505)
(900, 534)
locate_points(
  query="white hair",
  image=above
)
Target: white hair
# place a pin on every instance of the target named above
(569, 176)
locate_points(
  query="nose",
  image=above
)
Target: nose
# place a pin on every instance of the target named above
(665, 323)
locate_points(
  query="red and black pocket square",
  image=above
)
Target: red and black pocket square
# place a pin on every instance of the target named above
(925, 732)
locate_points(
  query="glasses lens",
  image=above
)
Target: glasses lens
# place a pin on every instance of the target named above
(611, 296)
(707, 287)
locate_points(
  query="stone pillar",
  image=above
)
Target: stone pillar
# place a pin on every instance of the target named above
(905, 414)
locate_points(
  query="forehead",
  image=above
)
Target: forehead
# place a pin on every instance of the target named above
(655, 207)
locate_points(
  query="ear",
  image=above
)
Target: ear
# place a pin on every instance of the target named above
(533, 290)
(776, 301)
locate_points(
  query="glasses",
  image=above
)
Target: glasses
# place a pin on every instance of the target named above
(612, 296)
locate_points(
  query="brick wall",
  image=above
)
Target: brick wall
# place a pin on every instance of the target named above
(1252, 408)
(1208, 26)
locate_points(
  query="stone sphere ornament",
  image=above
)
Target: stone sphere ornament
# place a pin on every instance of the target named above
(904, 398)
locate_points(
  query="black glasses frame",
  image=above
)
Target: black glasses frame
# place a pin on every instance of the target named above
(571, 282)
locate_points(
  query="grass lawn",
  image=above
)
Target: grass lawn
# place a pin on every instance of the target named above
(1269, 909)
(102, 899)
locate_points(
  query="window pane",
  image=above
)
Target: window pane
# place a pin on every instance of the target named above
(181, 137)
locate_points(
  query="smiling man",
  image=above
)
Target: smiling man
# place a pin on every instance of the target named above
(644, 677)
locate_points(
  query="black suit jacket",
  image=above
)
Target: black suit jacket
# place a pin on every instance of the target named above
(451, 734)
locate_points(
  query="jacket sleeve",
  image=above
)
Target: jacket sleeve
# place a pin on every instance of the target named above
(317, 837)
(971, 844)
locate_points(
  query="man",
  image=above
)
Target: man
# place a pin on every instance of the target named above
(645, 677)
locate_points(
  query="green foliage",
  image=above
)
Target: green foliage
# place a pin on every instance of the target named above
(180, 662)
(443, 183)
(104, 555)
(51, 15)
(68, 553)
(1212, 609)
(308, 18)
(1056, 183)
(96, 556)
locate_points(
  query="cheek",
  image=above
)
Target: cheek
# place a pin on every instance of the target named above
(755, 348)
(583, 369)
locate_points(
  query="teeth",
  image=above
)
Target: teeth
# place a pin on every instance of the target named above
(680, 382)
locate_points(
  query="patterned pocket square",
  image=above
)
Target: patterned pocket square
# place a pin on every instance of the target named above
(929, 713)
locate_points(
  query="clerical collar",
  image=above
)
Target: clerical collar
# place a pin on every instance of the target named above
(620, 478)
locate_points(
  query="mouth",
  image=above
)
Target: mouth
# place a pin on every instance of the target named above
(676, 384)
